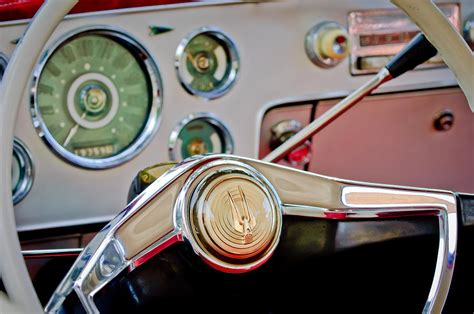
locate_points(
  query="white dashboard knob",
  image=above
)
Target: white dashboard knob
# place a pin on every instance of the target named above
(327, 44)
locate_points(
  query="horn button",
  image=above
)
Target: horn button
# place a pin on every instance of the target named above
(235, 220)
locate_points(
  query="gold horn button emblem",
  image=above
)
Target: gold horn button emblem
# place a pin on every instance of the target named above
(234, 218)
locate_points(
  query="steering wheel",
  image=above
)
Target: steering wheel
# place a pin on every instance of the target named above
(229, 209)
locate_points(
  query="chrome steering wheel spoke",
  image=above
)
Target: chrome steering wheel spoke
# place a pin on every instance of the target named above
(253, 198)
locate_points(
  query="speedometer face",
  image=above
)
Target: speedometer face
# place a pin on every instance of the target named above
(97, 98)
(207, 63)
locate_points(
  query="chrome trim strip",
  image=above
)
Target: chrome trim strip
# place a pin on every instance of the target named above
(209, 117)
(51, 253)
(156, 96)
(233, 55)
(27, 170)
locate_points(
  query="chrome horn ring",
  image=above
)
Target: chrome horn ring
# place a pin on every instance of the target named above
(160, 217)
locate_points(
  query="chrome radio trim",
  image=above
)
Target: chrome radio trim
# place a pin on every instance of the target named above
(397, 22)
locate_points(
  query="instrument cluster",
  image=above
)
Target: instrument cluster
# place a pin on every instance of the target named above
(117, 91)
(97, 99)
(97, 95)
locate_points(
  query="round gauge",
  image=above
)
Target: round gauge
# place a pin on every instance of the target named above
(22, 171)
(3, 65)
(207, 63)
(199, 134)
(97, 98)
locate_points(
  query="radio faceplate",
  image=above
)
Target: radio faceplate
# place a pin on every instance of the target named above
(379, 34)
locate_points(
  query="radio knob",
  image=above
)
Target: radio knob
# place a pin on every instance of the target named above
(281, 132)
(327, 44)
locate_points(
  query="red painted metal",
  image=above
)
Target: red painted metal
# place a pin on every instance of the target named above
(24, 9)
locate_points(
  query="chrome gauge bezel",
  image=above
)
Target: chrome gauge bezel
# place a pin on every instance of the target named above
(25, 162)
(209, 117)
(154, 117)
(3, 63)
(234, 58)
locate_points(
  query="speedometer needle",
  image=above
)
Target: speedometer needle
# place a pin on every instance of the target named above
(73, 131)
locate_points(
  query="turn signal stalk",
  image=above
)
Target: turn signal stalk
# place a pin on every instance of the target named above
(417, 51)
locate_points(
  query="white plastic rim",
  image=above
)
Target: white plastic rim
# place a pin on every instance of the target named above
(21, 293)
(441, 33)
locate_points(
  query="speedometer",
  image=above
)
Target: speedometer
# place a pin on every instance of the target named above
(97, 98)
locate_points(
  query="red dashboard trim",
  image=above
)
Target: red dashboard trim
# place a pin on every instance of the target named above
(24, 9)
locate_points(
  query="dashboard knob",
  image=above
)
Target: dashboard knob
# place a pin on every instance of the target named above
(327, 44)
(281, 132)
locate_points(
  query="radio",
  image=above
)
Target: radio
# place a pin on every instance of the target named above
(377, 35)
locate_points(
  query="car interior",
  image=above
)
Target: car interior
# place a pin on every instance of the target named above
(229, 156)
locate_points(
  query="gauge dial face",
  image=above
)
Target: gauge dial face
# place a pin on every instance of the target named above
(96, 99)
(200, 135)
(207, 63)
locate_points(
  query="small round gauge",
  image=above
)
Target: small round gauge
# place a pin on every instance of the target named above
(198, 134)
(22, 171)
(97, 98)
(3, 65)
(207, 63)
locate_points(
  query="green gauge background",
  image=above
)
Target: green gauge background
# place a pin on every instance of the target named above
(200, 130)
(200, 133)
(97, 98)
(207, 63)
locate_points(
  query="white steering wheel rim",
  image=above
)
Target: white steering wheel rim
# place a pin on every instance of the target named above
(21, 294)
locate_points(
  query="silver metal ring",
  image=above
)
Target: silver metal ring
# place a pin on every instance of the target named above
(26, 169)
(233, 55)
(154, 117)
(3, 64)
(313, 36)
(225, 134)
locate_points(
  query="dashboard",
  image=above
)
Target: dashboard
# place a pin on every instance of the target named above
(117, 91)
